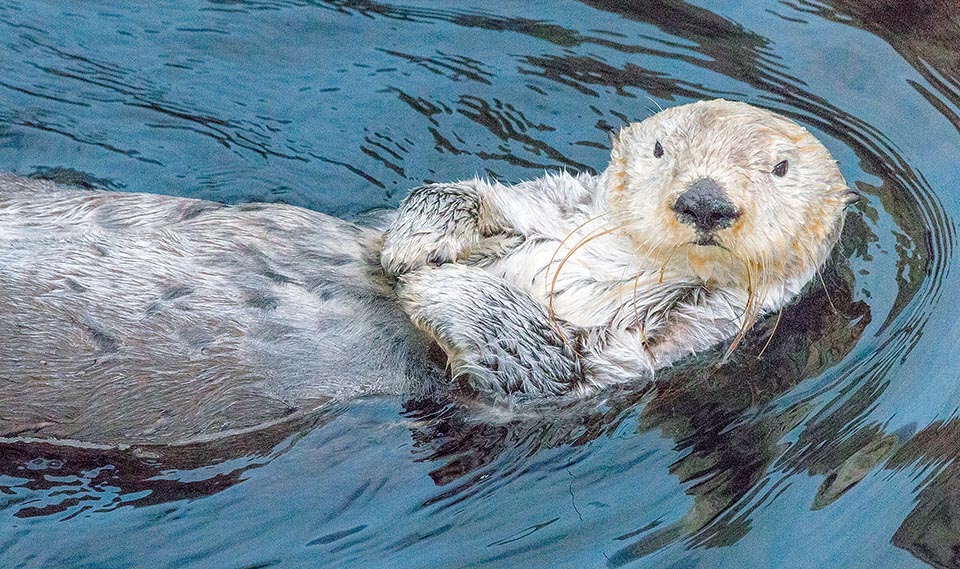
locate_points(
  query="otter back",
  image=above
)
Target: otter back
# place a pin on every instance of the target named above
(130, 317)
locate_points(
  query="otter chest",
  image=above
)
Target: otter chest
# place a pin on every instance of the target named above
(586, 288)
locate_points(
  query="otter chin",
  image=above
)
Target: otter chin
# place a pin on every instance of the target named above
(133, 318)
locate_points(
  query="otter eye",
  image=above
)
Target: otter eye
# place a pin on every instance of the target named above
(780, 169)
(657, 150)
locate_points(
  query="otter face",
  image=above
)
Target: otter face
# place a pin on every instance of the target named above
(723, 190)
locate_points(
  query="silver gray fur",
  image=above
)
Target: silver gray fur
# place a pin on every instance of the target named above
(139, 318)
(132, 318)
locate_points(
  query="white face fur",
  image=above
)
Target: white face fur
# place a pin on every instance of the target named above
(728, 193)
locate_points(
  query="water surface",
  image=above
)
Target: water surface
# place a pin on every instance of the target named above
(837, 448)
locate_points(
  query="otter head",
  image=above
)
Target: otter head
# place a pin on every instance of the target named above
(727, 194)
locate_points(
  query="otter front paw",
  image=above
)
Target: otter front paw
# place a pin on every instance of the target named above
(436, 224)
(404, 251)
(498, 339)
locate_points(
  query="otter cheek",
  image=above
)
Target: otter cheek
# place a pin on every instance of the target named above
(672, 230)
(743, 224)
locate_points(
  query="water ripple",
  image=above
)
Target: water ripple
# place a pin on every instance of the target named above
(847, 425)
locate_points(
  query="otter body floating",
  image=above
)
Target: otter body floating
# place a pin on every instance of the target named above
(136, 318)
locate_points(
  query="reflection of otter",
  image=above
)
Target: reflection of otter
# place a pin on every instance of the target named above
(134, 318)
(92, 477)
(697, 404)
(932, 530)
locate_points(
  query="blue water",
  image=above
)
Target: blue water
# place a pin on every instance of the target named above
(838, 448)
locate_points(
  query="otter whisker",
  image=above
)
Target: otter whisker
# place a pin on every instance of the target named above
(556, 275)
(646, 315)
(763, 289)
(654, 101)
(640, 325)
(823, 282)
(641, 322)
(560, 246)
(827, 292)
(747, 316)
(663, 267)
(773, 332)
(548, 289)
(623, 279)
(764, 280)
(590, 237)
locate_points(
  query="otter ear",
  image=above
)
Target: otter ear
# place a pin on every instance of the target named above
(616, 143)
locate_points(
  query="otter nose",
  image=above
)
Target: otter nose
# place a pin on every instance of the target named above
(705, 206)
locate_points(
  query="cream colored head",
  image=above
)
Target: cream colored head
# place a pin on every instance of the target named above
(727, 192)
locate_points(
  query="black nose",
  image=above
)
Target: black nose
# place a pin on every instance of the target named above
(705, 206)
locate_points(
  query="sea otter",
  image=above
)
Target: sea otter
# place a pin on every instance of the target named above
(132, 318)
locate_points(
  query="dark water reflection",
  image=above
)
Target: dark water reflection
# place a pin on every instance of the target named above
(837, 448)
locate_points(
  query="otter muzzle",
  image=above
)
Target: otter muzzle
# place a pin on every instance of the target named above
(705, 206)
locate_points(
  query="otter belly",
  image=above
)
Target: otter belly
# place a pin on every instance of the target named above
(130, 318)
